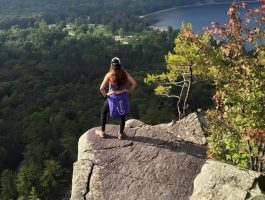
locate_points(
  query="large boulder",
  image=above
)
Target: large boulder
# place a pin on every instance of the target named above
(151, 163)
(190, 129)
(220, 181)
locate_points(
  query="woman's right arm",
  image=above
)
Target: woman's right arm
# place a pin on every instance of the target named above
(132, 82)
(104, 84)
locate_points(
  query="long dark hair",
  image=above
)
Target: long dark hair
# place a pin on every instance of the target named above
(118, 76)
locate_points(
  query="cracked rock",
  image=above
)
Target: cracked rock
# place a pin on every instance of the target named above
(80, 182)
(154, 163)
(189, 129)
(151, 163)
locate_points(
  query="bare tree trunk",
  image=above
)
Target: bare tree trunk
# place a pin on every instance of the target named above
(181, 93)
(262, 152)
(251, 159)
(179, 112)
(185, 106)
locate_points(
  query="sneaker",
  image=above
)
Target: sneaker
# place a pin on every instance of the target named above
(100, 133)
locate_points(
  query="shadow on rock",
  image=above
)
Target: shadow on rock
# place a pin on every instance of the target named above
(185, 147)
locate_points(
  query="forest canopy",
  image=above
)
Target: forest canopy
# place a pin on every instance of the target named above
(53, 56)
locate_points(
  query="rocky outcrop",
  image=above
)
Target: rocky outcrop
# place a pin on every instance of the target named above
(151, 163)
(220, 181)
(189, 129)
(161, 162)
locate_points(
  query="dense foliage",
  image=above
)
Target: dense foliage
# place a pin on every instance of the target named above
(49, 95)
(185, 67)
(116, 13)
(235, 61)
(98, 10)
(237, 124)
(52, 60)
(50, 77)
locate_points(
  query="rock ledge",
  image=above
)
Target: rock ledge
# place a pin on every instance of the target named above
(161, 162)
(152, 162)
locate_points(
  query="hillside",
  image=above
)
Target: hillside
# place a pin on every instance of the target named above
(101, 11)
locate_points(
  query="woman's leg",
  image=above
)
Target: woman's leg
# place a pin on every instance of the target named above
(122, 123)
(104, 112)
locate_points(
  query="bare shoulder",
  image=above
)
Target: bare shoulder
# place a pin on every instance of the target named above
(127, 74)
(108, 75)
(130, 79)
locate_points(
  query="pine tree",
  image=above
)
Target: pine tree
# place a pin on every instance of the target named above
(8, 189)
(52, 169)
(183, 68)
(27, 177)
(33, 194)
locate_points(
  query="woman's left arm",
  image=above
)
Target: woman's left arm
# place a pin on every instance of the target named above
(132, 82)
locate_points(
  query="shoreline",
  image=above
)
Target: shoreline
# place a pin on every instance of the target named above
(159, 11)
(190, 6)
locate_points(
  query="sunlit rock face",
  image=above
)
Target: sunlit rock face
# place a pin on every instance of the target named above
(218, 181)
(160, 162)
(152, 162)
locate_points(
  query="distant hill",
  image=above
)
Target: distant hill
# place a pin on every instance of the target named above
(63, 9)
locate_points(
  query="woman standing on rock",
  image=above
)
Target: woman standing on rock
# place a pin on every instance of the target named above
(117, 98)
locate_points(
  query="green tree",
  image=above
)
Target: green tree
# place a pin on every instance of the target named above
(120, 32)
(237, 124)
(8, 189)
(33, 194)
(183, 67)
(48, 178)
(27, 177)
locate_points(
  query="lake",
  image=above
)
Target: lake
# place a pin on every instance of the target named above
(199, 15)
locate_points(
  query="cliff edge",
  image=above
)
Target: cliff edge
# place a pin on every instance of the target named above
(153, 162)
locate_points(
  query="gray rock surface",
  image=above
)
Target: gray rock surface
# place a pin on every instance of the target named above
(80, 183)
(220, 181)
(154, 162)
(189, 129)
(151, 163)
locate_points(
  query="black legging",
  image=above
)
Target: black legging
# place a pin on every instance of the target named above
(104, 112)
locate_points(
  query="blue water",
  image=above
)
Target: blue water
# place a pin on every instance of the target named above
(199, 15)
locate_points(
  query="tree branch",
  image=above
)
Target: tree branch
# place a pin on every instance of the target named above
(174, 83)
(170, 96)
